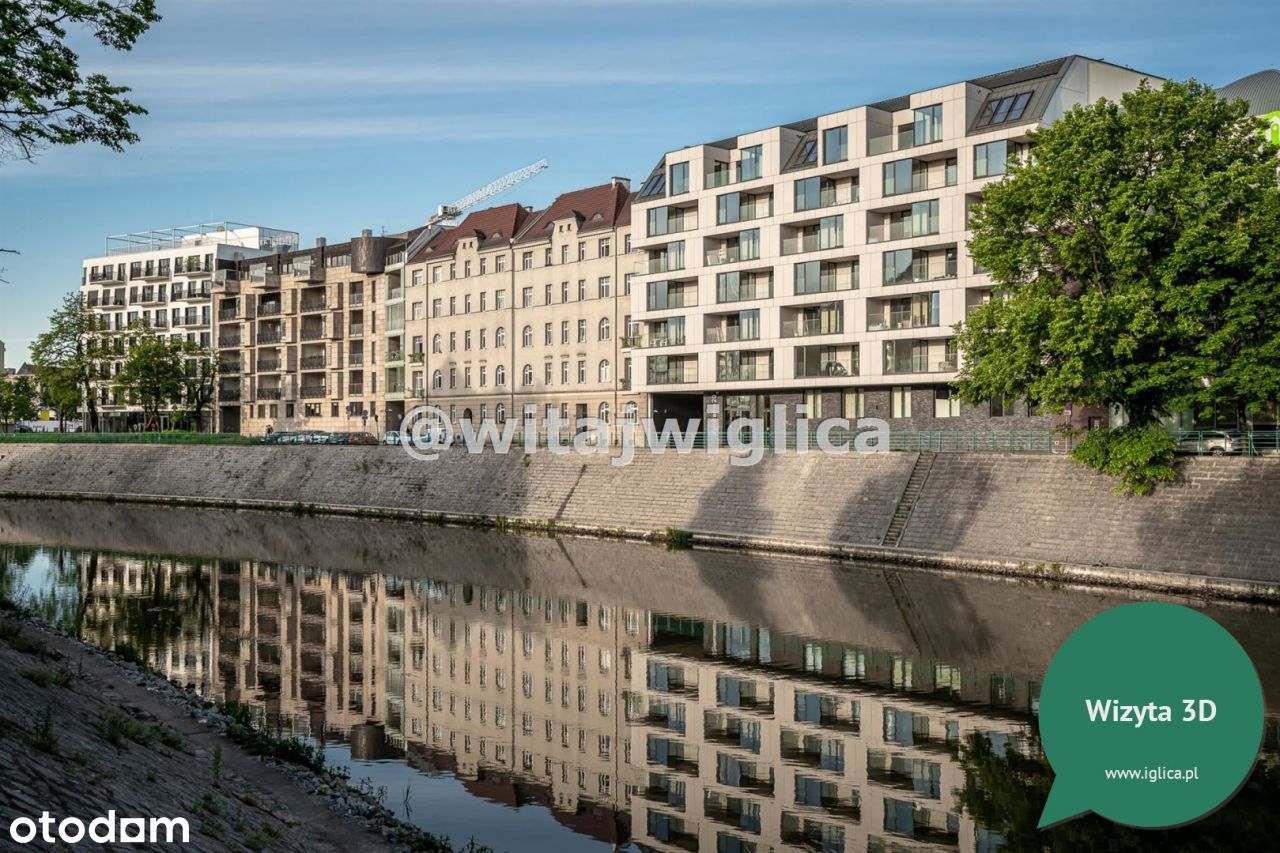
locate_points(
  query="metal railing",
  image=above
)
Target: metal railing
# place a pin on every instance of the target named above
(1227, 442)
(122, 438)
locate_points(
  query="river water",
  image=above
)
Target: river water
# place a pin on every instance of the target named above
(551, 694)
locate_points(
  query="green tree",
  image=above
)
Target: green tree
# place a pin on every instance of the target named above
(59, 391)
(17, 401)
(1138, 254)
(198, 385)
(71, 347)
(153, 375)
(44, 98)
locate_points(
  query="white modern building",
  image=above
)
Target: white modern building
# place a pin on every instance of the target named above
(824, 262)
(164, 278)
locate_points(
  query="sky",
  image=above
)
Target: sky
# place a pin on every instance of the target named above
(329, 116)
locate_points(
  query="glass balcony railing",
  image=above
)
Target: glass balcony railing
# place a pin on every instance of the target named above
(676, 374)
(743, 372)
(660, 264)
(919, 364)
(900, 229)
(894, 322)
(731, 255)
(728, 334)
(801, 327)
(801, 243)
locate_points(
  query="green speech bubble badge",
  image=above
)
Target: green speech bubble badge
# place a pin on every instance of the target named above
(1151, 715)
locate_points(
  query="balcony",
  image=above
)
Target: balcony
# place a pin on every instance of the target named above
(901, 229)
(311, 333)
(355, 300)
(917, 363)
(671, 220)
(269, 394)
(260, 276)
(356, 390)
(152, 296)
(311, 392)
(229, 314)
(356, 330)
(894, 322)
(269, 309)
(660, 264)
(729, 334)
(803, 327)
(743, 372)
(193, 267)
(355, 359)
(674, 374)
(228, 341)
(270, 336)
(268, 365)
(108, 276)
(731, 255)
(230, 368)
(798, 244)
(229, 395)
(305, 269)
(820, 362)
(312, 362)
(310, 304)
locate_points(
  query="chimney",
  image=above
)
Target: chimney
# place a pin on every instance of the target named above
(625, 183)
(319, 242)
(366, 232)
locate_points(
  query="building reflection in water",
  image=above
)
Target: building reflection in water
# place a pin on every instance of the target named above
(666, 731)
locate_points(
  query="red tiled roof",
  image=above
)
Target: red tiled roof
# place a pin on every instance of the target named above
(491, 226)
(594, 208)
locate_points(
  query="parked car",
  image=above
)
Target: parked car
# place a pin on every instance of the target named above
(391, 436)
(1215, 442)
(362, 438)
(22, 428)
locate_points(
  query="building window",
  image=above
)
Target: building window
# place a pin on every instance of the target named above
(526, 297)
(435, 307)
(835, 144)
(604, 329)
(945, 402)
(436, 343)
(853, 403)
(564, 331)
(546, 295)
(564, 372)
(582, 371)
(500, 337)
(526, 336)
(582, 331)
(1003, 109)
(546, 257)
(564, 291)
(749, 164)
(546, 334)
(500, 415)
(500, 375)
(900, 401)
(604, 370)
(582, 250)
(500, 263)
(990, 158)
(605, 287)
(928, 124)
(604, 247)
(604, 419)
(526, 261)
(526, 375)
(582, 289)
(813, 405)
(679, 178)
(499, 299)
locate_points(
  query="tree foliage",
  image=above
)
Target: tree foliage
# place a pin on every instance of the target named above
(17, 401)
(60, 391)
(153, 374)
(69, 350)
(44, 98)
(1139, 253)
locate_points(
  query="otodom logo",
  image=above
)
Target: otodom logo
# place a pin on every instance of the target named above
(109, 829)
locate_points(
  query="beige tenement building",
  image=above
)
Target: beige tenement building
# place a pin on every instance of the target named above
(824, 262)
(518, 313)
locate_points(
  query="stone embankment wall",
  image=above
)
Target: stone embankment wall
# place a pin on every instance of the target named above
(1217, 529)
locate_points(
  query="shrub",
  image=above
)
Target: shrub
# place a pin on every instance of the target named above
(1141, 457)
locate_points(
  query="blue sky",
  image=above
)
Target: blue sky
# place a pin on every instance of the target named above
(328, 116)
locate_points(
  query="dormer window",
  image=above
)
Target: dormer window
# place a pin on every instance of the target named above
(1004, 109)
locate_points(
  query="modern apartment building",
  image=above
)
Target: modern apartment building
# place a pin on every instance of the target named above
(164, 279)
(518, 313)
(823, 262)
(300, 334)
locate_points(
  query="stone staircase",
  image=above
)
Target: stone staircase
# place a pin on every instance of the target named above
(919, 474)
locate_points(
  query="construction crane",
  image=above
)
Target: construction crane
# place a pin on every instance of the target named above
(447, 214)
